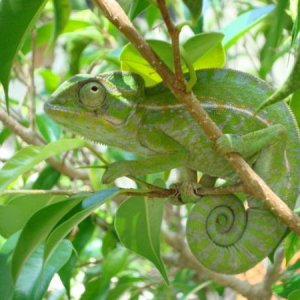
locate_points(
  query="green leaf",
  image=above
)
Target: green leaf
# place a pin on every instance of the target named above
(195, 8)
(137, 7)
(33, 287)
(20, 208)
(38, 228)
(114, 262)
(62, 11)
(295, 295)
(138, 223)
(5, 133)
(6, 282)
(16, 19)
(243, 23)
(83, 235)
(51, 80)
(292, 244)
(25, 284)
(273, 37)
(49, 129)
(296, 25)
(87, 207)
(48, 177)
(203, 50)
(295, 106)
(28, 157)
(44, 33)
(57, 260)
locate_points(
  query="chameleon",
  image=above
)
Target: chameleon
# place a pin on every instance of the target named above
(225, 233)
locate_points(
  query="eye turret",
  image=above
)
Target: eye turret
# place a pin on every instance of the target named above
(92, 95)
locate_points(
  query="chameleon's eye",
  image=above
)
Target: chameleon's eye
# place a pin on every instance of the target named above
(92, 95)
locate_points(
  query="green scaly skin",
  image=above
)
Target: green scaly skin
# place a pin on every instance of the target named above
(223, 234)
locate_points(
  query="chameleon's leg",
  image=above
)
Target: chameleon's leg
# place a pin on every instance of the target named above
(223, 234)
(249, 144)
(167, 154)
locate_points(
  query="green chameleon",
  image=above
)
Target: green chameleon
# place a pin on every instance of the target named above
(225, 234)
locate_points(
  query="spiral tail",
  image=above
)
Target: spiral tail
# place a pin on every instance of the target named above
(227, 238)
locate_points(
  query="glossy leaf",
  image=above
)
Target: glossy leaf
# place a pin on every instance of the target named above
(203, 51)
(62, 11)
(25, 12)
(292, 245)
(83, 235)
(87, 207)
(137, 7)
(48, 177)
(138, 223)
(243, 23)
(195, 8)
(28, 157)
(38, 228)
(57, 260)
(20, 208)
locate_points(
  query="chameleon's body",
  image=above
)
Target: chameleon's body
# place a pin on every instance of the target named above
(115, 109)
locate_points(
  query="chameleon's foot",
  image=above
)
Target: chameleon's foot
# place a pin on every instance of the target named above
(228, 143)
(185, 192)
(116, 170)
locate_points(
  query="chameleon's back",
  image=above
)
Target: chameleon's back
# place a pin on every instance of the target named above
(221, 234)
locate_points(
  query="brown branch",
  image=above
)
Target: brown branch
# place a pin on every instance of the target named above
(254, 185)
(32, 138)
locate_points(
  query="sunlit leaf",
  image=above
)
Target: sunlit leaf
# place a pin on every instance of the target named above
(243, 23)
(292, 245)
(28, 157)
(203, 51)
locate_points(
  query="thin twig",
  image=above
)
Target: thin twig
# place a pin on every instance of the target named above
(32, 91)
(39, 192)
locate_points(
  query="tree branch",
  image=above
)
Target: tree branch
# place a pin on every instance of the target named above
(30, 137)
(254, 185)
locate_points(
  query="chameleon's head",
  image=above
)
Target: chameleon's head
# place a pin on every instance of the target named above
(96, 107)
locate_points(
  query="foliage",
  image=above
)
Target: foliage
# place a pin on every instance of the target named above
(78, 230)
